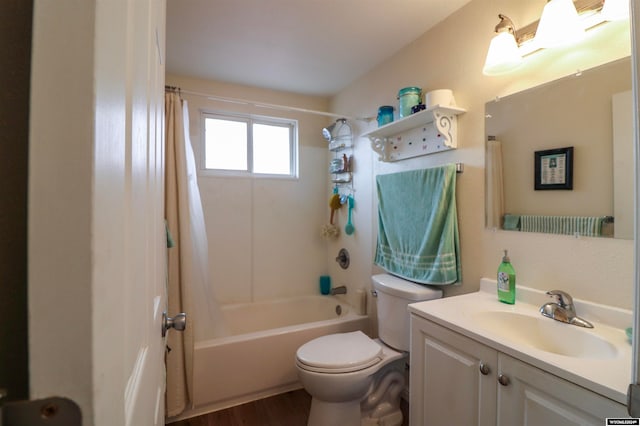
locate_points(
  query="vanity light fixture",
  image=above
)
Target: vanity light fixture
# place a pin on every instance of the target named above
(503, 55)
(534, 36)
(615, 10)
(559, 24)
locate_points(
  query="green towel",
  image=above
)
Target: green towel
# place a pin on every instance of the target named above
(170, 242)
(588, 226)
(418, 225)
(511, 222)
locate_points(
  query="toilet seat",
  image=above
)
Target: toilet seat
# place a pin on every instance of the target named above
(339, 353)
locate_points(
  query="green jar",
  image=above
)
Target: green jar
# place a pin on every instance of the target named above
(408, 98)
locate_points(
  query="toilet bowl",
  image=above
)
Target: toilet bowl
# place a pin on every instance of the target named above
(355, 380)
(338, 380)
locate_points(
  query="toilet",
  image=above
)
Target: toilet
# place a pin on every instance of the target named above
(355, 380)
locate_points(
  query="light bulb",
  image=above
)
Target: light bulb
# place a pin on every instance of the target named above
(615, 10)
(503, 55)
(559, 24)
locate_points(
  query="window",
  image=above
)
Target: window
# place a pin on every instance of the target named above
(250, 145)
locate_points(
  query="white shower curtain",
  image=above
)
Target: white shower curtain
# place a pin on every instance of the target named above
(494, 185)
(188, 278)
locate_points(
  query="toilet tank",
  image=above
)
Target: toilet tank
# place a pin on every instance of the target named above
(393, 296)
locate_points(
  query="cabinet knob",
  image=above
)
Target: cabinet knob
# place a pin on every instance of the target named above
(484, 368)
(503, 380)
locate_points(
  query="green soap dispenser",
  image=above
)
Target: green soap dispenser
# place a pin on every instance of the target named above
(506, 281)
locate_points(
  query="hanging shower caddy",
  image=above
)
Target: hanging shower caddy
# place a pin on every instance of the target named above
(340, 138)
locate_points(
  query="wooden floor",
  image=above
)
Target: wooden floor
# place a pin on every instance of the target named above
(287, 409)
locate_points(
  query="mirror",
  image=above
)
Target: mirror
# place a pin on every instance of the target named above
(575, 136)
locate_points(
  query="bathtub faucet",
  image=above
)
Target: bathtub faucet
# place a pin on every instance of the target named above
(339, 290)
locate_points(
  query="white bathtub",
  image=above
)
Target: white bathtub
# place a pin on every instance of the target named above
(258, 358)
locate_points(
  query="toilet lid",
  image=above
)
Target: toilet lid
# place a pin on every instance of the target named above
(342, 352)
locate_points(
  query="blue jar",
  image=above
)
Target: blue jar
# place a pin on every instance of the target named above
(408, 97)
(325, 284)
(385, 115)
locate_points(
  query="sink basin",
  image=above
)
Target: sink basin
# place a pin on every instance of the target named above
(545, 334)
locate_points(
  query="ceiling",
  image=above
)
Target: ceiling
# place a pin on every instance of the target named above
(315, 47)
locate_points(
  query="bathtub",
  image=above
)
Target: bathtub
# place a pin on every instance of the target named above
(257, 358)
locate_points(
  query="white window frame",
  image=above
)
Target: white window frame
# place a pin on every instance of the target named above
(250, 119)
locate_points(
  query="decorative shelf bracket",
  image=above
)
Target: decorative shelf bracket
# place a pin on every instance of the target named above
(379, 145)
(426, 132)
(446, 125)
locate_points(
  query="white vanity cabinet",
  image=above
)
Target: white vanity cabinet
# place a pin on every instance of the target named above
(447, 386)
(456, 380)
(531, 396)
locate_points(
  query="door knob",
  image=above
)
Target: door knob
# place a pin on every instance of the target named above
(179, 322)
(484, 369)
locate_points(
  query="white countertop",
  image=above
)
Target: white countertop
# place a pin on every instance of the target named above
(609, 377)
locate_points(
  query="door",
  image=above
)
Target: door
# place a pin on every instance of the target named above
(141, 185)
(530, 396)
(97, 243)
(449, 370)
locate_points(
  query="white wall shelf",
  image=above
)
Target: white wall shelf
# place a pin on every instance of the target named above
(426, 132)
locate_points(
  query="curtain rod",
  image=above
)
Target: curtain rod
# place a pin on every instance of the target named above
(272, 106)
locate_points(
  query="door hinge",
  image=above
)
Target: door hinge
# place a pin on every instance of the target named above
(53, 411)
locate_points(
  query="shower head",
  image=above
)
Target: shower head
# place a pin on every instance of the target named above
(326, 132)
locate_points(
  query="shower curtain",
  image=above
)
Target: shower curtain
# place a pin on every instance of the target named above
(494, 185)
(188, 281)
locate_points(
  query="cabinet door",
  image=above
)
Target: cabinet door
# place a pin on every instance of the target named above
(535, 397)
(447, 384)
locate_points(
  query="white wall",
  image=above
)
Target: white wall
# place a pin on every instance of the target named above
(264, 234)
(451, 55)
(55, 281)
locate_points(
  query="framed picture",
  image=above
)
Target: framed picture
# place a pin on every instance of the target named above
(553, 169)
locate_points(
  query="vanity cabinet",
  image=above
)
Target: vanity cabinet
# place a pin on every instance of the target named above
(456, 380)
(452, 378)
(531, 396)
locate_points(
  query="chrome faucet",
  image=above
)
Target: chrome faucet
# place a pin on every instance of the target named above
(339, 290)
(562, 309)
